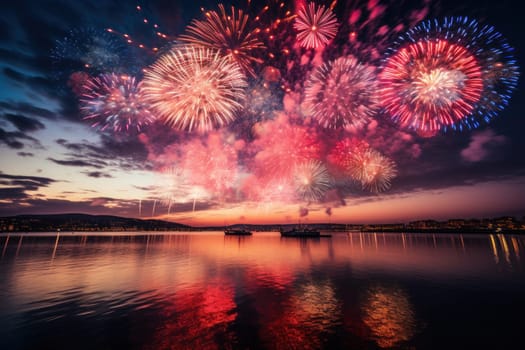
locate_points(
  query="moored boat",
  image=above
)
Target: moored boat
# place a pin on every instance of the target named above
(302, 233)
(237, 232)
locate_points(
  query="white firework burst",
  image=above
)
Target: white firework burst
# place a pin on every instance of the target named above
(194, 88)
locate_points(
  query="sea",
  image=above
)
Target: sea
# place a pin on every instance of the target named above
(205, 290)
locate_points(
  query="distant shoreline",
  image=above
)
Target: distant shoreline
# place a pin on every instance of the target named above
(105, 223)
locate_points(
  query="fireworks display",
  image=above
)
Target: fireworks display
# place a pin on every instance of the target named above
(291, 104)
(448, 74)
(229, 34)
(315, 25)
(112, 101)
(193, 88)
(342, 93)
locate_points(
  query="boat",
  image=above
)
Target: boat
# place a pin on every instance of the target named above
(237, 232)
(302, 233)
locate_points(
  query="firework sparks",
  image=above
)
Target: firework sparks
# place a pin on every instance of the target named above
(89, 49)
(229, 34)
(342, 93)
(315, 25)
(193, 88)
(373, 170)
(115, 102)
(312, 180)
(448, 74)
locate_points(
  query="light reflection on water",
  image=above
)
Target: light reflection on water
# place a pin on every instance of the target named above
(210, 291)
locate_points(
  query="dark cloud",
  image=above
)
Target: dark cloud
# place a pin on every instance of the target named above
(75, 147)
(27, 109)
(13, 139)
(59, 206)
(17, 58)
(15, 187)
(98, 174)
(38, 83)
(25, 154)
(41, 181)
(24, 124)
(76, 163)
(146, 188)
(125, 153)
(12, 193)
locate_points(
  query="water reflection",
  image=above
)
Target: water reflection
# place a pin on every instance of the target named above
(389, 315)
(198, 317)
(210, 291)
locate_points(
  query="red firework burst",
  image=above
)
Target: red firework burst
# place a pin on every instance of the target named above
(315, 25)
(230, 34)
(430, 84)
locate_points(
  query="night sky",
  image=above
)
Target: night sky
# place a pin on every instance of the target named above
(54, 161)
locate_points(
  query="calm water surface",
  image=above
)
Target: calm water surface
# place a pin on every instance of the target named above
(208, 291)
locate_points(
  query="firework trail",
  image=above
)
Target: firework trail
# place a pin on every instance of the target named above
(369, 27)
(449, 74)
(315, 25)
(342, 93)
(312, 180)
(112, 101)
(153, 209)
(193, 88)
(154, 35)
(229, 34)
(169, 206)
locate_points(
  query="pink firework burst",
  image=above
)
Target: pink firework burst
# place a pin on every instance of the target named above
(194, 88)
(342, 93)
(112, 101)
(210, 164)
(228, 33)
(430, 85)
(269, 189)
(339, 157)
(280, 146)
(315, 25)
(373, 170)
